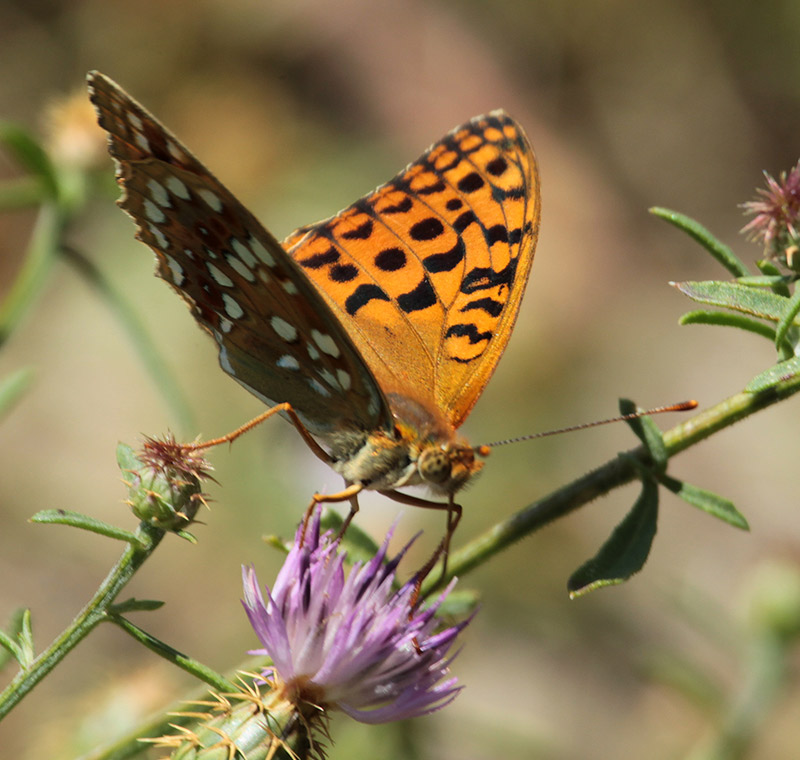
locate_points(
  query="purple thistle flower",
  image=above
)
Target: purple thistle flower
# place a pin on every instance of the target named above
(349, 641)
(776, 210)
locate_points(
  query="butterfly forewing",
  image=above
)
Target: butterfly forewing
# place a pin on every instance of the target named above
(276, 334)
(427, 273)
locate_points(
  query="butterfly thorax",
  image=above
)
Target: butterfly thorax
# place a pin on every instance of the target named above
(421, 450)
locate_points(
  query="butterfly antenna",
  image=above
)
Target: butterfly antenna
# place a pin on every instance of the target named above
(683, 406)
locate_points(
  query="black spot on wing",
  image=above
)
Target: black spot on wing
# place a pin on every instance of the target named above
(427, 229)
(401, 207)
(454, 204)
(446, 261)
(489, 305)
(471, 182)
(418, 299)
(361, 296)
(362, 232)
(436, 187)
(497, 166)
(390, 259)
(483, 278)
(464, 220)
(496, 234)
(343, 272)
(317, 260)
(469, 331)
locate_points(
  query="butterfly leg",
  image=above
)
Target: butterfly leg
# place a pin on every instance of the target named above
(454, 512)
(350, 493)
(316, 449)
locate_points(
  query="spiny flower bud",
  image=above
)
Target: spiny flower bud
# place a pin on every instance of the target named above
(164, 482)
(249, 725)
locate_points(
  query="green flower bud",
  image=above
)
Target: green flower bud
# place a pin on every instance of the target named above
(164, 482)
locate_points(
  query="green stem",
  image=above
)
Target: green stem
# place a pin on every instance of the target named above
(193, 667)
(612, 474)
(93, 613)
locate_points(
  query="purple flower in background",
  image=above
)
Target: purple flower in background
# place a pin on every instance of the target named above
(777, 209)
(350, 642)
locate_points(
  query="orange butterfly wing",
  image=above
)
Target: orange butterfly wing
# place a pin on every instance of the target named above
(427, 273)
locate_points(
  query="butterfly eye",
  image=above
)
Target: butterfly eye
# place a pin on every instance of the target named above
(434, 465)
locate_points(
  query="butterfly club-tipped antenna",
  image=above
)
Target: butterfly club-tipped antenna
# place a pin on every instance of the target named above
(682, 406)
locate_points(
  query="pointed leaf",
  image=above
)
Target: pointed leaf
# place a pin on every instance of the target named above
(25, 638)
(781, 286)
(359, 545)
(726, 319)
(647, 432)
(12, 388)
(716, 505)
(694, 229)
(132, 605)
(778, 373)
(126, 458)
(77, 520)
(8, 649)
(625, 551)
(730, 295)
(787, 320)
(29, 152)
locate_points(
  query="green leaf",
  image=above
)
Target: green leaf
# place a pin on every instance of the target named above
(132, 605)
(77, 520)
(126, 458)
(781, 286)
(763, 281)
(31, 277)
(127, 316)
(759, 303)
(360, 546)
(787, 320)
(8, 649)
(25, 637)
(30, 153)
(726, 319)
(13, 387)
(778, 373)
(458, 604)
(625, 551)
(721, 252)
(716, 505)
(648, 433)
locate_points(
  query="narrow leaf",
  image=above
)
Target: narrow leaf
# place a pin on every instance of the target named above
(768, 268)
(716, 505)
(13, 387)
(132, 605)
(778, 373)
(647, 432)
(148, 352)
(721, 252)
(625, 551)
(126, 458)
(29, 152)
(359, 545)
(77, 520)
(726, 319)
(25, 637)
(8, 649)
(730, 295)
(787, 320)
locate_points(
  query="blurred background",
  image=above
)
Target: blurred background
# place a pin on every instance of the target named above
(301, 106)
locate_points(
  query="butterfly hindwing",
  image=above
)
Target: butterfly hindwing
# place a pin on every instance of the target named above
(276, 334)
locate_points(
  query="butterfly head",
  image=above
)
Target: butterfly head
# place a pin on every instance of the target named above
(448, 467)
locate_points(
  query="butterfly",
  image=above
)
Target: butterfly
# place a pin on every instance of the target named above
(374, 331)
